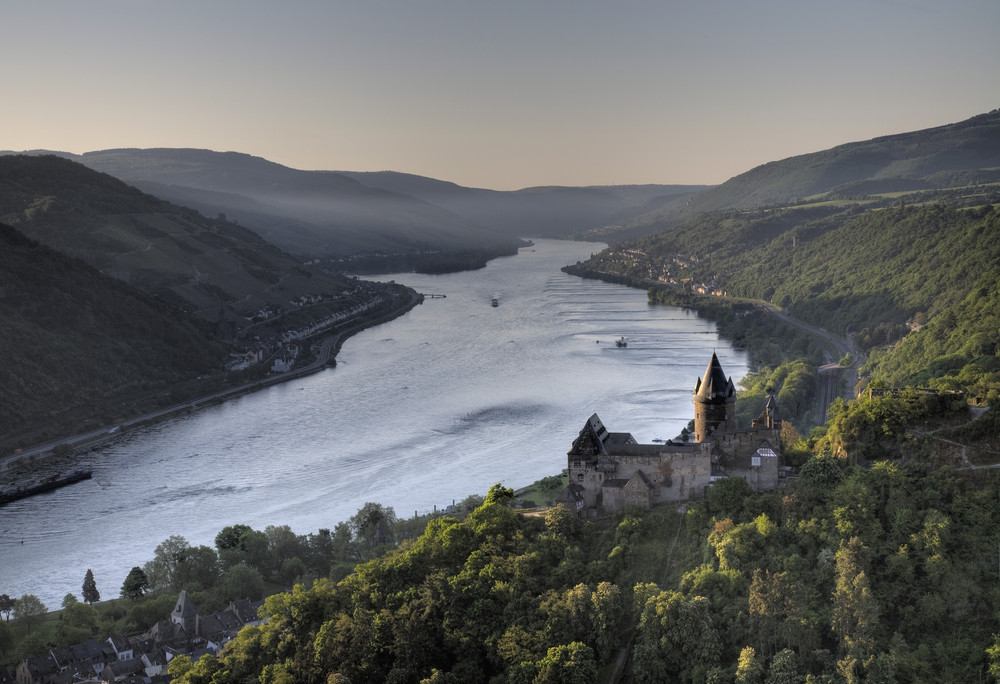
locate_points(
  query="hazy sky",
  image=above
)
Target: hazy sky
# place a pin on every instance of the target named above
(501, 93)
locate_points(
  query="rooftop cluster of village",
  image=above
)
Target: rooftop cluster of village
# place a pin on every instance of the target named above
(141, 659)
(273, 334)
(673, 270)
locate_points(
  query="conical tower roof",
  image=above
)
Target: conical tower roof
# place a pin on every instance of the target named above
(714, 387)
(185, 607)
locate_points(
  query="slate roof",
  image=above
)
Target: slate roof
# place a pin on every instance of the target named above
(590, 441)
(39, 666)
(714, 387)
(185, 607)
(123, 668)
(246, 610)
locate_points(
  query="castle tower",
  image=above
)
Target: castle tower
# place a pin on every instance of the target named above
(714, 402)
(769, 416)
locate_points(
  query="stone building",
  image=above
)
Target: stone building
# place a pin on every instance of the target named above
(611, 471)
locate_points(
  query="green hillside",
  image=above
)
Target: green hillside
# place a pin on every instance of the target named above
(82, 350)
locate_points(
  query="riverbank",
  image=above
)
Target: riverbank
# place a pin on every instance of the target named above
(327, 351)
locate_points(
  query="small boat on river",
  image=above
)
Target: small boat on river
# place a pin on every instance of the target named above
(621, 342)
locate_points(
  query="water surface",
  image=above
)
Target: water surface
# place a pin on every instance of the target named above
(441, 403)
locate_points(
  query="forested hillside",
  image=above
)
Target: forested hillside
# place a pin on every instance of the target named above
(911, 285)
(81, 349)
(879, 574)
(956, 350)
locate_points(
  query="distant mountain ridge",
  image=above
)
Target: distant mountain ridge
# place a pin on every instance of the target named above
(195, 263)
(548, 211)
(933, 158)
(336, 213)
(307, 213)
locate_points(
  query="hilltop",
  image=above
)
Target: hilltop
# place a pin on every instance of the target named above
(550, 211)
(961, 154)
(312, 214)
(196, 263)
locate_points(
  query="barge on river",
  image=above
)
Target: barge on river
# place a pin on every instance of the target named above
(47, 485)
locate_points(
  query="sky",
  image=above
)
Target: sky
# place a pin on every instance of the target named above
(499, 94)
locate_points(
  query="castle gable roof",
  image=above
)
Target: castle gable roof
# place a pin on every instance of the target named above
(591, 440)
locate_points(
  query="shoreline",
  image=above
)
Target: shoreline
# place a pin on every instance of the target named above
(326, 357)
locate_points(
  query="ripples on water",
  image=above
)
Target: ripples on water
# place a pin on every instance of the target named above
(439, 404)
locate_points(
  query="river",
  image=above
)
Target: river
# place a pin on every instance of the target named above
(440, 403)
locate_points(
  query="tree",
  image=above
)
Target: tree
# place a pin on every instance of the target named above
(179, 666)
(81, 616)
(567, 664)
(241, 582)
(28, 609)
(855, 610)
(229, 537)
(499, 494)
(177, 565)
(68, 600)
(749, 668)
(561, 522)
(784, 669)
(6, 606)
(135, 584)
(90, 593)
(372, 526)
(726, 496)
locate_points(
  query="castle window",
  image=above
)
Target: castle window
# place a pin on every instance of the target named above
(755, 461)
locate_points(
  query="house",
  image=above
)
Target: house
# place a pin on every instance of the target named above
(123, 670)
(612, 471)
(37, 669)
(122, 647)
(142, 659)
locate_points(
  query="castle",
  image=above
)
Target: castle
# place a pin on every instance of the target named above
(609, 471)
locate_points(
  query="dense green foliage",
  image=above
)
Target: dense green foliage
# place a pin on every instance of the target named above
(958, 349)
(882, 267)
(881, 574)
(793, 384)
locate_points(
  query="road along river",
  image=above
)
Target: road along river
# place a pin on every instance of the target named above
(440, 403)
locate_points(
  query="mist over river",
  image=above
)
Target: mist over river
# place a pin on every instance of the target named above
(443, 402)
